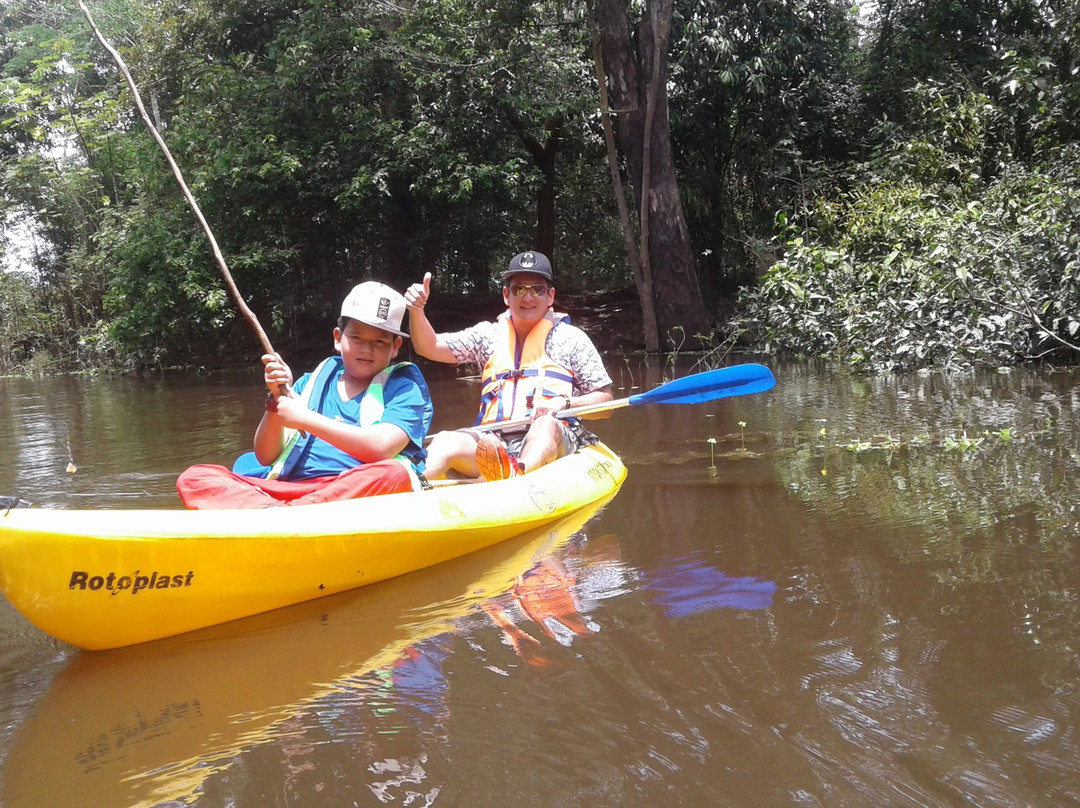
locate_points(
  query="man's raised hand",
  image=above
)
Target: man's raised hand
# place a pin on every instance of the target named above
(416, 296)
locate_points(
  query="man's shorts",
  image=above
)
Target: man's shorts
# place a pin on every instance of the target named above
(574, 436)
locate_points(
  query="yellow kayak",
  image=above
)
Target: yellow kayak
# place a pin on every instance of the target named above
(109, 578)
(147, 725)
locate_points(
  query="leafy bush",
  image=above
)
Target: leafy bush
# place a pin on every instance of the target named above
(930, 264)
(18, 321)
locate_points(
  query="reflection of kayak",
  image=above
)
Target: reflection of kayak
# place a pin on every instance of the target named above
(104, 579)
(144, 725)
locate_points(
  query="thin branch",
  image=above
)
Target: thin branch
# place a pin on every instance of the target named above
(1029, 312)
(249, 315)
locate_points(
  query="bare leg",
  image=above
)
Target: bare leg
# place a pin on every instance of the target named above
(541, 443)
(448, 451)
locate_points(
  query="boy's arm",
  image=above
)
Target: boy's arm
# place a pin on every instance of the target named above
(425, 340)
(270, 434)
(269, 438)
(368, 444)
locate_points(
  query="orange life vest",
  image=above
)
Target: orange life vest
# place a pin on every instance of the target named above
(515, 374)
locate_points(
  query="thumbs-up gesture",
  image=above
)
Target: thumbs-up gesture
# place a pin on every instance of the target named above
(416, 296)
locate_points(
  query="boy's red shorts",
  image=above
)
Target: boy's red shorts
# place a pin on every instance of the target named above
(210, 487)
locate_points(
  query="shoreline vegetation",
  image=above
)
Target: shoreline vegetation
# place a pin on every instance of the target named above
(891, 191)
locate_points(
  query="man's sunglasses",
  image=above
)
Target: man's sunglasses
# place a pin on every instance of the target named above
(532, 291)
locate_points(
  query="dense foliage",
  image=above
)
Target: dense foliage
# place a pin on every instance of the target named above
(948, 251)
(892, 190)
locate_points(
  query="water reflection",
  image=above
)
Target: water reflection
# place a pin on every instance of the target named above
(863, 593)
(688, 587)
(84, 442)
(154, 722)
(364, 673)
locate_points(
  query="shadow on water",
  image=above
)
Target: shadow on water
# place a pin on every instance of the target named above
(845, 592)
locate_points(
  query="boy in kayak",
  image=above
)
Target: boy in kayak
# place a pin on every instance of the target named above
(534, 364)
(352, 427)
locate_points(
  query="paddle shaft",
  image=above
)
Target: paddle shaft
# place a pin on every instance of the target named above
(693, 389)
(571, 412)
(249, 315)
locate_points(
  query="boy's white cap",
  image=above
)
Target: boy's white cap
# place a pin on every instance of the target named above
(375, 304)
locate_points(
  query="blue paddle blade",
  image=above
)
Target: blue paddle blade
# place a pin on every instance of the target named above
(738, 380)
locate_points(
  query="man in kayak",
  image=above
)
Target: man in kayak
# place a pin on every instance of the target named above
(352, 427)
(534, 364)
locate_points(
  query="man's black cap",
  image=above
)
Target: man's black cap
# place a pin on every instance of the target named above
(534, 262)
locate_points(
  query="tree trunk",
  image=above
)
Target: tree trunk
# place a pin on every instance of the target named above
(636, 68)
(642, 281)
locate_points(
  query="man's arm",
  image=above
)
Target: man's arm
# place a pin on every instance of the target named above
(560, 403)
(425, 340)
(591, 375)
(600, 396)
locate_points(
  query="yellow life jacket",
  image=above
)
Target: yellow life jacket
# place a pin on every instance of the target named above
(516, 374)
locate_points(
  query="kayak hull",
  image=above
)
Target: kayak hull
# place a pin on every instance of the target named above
(149, 724)
(108, 578)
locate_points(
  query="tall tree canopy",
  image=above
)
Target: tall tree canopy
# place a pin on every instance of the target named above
(333, 140)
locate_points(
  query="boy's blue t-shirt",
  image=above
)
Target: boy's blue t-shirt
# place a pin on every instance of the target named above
(407, 405)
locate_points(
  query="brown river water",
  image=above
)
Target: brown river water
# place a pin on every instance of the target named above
(846, 591)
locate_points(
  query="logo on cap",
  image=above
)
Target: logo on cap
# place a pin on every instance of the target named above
(384, 307)
(528, 260)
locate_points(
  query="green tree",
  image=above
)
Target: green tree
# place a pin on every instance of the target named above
(765, 100)
(940, 40)
(376, 139)
(929, 264)
(60, 163)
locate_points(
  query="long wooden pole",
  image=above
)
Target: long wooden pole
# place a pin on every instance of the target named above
(249, 315)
